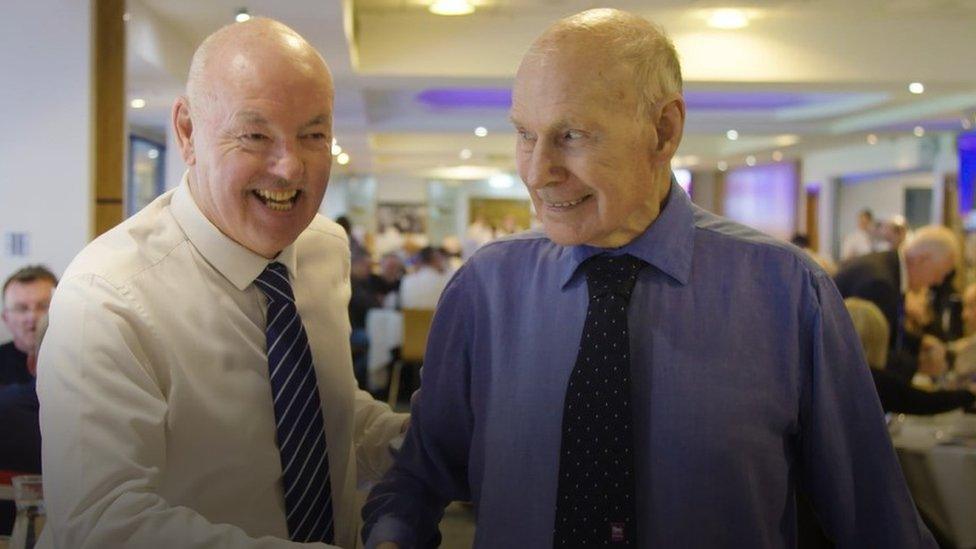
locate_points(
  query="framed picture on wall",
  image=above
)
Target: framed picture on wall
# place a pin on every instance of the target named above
(405, 218)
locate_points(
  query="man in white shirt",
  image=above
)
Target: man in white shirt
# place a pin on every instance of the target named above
(860, 242)
(422, 288)
(166, 418)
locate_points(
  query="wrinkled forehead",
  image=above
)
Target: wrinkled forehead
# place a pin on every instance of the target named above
(573, 75)
(24, 292)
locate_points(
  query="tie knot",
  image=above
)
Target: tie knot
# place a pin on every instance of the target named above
(612, 274)
(273, 282)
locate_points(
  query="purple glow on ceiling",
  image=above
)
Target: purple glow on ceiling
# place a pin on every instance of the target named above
(728, 101)
(466, 98)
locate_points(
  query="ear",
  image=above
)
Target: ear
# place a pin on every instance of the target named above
(670, 125)
(183, 129)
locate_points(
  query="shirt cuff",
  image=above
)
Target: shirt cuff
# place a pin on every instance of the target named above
(390, 528)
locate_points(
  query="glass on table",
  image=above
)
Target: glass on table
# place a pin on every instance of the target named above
(29, 498)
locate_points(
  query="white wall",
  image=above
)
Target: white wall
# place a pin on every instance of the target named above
(45, 145)
(889, 155)
(884, 196)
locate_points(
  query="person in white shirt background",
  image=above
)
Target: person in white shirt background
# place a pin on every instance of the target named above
(860, 241)
(161, 416)
(422, 288)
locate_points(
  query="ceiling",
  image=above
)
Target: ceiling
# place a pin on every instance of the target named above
(413, 86)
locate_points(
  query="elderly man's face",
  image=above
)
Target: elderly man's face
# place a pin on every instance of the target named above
(587, 157)
(262, 151)
(928, 270)
(23, 304)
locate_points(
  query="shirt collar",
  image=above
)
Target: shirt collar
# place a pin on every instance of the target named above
(235, 262)
(667, 243)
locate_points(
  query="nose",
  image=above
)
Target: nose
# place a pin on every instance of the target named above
(545, 166)
(288, 164)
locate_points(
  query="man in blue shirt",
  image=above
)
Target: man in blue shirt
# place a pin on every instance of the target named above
(644, 374)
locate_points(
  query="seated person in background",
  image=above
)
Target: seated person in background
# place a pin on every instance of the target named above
(895, 393)
(422, 288)
(885, 278)
(20, 433)
(26, 296)
(362, 298)
(387, 281)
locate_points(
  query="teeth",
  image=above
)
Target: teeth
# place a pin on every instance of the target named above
(277, 196)
(567, 204)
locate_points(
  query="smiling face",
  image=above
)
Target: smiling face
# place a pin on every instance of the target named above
(597, 171)
(258, 140)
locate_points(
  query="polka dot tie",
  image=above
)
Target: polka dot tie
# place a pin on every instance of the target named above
(595, 502)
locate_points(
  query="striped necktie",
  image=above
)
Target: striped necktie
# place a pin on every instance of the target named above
(298, 413)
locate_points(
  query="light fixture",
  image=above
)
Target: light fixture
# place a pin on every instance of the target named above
(722, 165)
(967, 124)
(336, 149)
(750, 160)
(481, 131)
(728, 19)
(919, 131)
(501, 181)
(917, 88)
(465, 154)
(242, 15)
(126, 17)
(153, 154)
(451, 7)
(872, 139)
(777, 156)
(732, 135)
(137, 103)
(342, 159)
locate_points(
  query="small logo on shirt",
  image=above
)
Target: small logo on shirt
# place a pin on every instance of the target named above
(617, 532)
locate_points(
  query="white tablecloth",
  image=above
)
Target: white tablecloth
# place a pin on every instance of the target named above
(384, 327)
(938, 456)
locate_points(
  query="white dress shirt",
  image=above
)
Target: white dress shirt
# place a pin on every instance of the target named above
(856, 244)
(156, 409)
(422, 289)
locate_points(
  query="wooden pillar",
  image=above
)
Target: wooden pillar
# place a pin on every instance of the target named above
(108, 120)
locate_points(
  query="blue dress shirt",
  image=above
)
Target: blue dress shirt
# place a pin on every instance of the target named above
(748, 383)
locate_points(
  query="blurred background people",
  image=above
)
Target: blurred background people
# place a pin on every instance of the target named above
(26, 297)
(422, 288)
(860, 241)
(896, 394)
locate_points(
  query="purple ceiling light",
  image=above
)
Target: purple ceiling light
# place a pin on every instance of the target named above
(466, 98)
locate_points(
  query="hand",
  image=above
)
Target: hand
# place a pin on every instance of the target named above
(917, 312)
(932, 357)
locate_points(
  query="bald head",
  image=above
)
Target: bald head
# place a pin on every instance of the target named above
(248, 50)
(930, 255)
(615, 38)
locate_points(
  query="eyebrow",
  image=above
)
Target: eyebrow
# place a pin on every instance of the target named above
(320, 119)
(254, 117)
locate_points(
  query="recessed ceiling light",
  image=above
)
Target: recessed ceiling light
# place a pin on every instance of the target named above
(750, 160)
(465, 154)
(728, 18)
(777, 156)
(481, 131)
(342, 159)
(242, 15)
(153, 153)
(336, 149)
(732, 135)
(919, 131)
(872, 139)
(451, 7)
(137, 103)
(967, 124)
(126, 17)
(916, 88)
(722, 165)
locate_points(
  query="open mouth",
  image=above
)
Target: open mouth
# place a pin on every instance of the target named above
(281, 201)
(567, 204)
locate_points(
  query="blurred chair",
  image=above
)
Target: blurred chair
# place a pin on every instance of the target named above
(416, 326)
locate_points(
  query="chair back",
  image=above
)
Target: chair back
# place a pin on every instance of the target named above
(416, 326)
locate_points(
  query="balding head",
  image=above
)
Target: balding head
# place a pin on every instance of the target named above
(621, 39)
(239, 50)
(255, 130)
(930, 255)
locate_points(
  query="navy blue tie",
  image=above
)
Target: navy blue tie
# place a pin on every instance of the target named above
(298, 413)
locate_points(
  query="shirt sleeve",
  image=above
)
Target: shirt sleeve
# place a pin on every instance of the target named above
(375, 428)
(847, 465)
(431, 468)
(103, 422)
